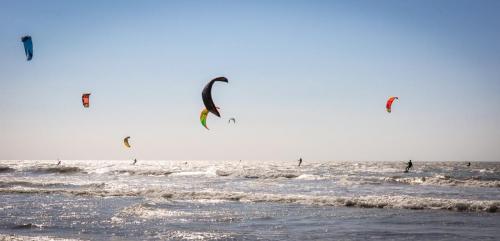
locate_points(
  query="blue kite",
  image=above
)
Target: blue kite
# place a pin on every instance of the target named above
(28, 47)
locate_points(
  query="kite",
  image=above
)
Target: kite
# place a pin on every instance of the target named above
(86, 100)
(231, 119)
(389, 103)
(203, 118)
(125, 141)
(28, 47)
(206, 94)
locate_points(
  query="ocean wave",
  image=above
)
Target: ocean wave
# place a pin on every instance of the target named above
(385, 201)
(190, 235)
(371, 201)
(310, 177)
(442, 180)
(59, 169)
(30, 184)
(148, 211)
(485, 178)
(193, 173)
(6, 184)
(267, 174)
(258, 173)
(26, 226)
(142, 172)
(6, 169)
(222, 173)
(270, 176)
(12, 237)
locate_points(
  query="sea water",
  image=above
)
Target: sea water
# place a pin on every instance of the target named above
(248, 200)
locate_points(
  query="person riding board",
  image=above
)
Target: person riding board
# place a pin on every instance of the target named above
(135, 161)
(300, 161)
(410, 165)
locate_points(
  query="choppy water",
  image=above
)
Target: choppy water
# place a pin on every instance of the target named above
(248, 200)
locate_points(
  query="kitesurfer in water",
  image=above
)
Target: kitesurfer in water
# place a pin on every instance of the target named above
(300, 161)
(468, 164)
(135, 161)
(58, 162)
(410, 165)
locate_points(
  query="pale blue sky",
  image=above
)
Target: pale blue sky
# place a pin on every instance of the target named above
(306, 78)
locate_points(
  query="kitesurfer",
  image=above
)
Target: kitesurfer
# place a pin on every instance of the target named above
(410, 165)
(300, 161)
(135, 161)
(58, 162)
(468, 164)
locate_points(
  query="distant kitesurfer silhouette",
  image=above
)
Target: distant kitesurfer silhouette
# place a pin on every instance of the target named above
(135, 161)
(58, 162)
(410, 165)
(468, 164)
(300, 161)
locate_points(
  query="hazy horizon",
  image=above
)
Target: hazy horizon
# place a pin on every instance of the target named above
(306, 79)
(292, 162)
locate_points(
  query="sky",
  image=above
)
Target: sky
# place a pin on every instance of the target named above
(306, 79)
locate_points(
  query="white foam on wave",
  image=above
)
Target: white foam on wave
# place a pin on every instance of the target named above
(369, 201)
(190, 235)
(4, 237)
(442, 180)
(310, 177)
(209, 172)
(149, 211)
(384, 201)
(30, 183)
(194, 173)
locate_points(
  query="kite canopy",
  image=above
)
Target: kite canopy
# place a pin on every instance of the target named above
(206, 94)
(28, 47)
(231, 119)
(125, 141)
(86, 100)
(203, 118)
(388, 106)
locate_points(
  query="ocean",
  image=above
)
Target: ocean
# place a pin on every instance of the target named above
(248, 200)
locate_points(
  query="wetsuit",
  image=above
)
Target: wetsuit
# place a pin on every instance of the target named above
(410, 165)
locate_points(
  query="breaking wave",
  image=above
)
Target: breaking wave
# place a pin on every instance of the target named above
(142, 172)
(369, 201)
(259, 174)
(443, 180)
(6, 169)
(28, 184)
(26, 226)
(310, 177)
(148, 211)
(12, 237)
(60, 170)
